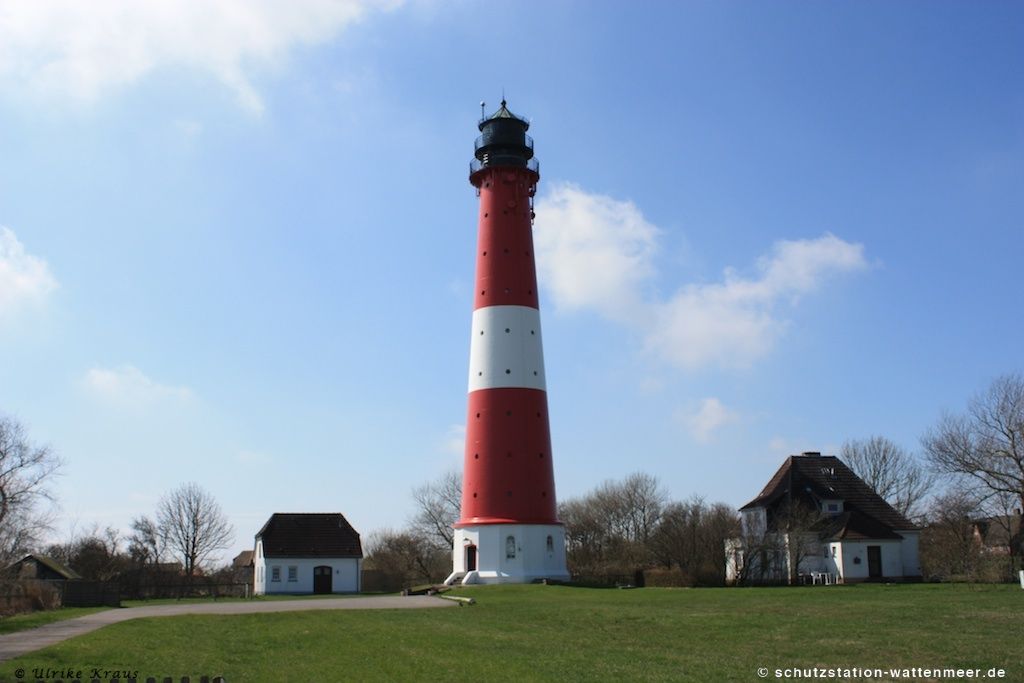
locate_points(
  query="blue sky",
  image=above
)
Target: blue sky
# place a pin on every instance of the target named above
(237, 241)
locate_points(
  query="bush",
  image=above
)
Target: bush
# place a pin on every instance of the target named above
(668, 578)
(28, 595)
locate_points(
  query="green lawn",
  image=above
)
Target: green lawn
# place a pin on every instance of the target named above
(561, 633)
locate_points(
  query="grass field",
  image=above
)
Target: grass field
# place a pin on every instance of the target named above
(561, 633)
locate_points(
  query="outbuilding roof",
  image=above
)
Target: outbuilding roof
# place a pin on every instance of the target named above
(50, 563)
(309, 534)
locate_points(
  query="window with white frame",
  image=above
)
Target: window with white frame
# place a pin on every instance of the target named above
(510, 547)
(275, 574)
(293, 573)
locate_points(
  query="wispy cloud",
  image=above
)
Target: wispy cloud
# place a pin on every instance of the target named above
(127, 385)
(707, 419)
(24, 278)
(252, 458)
(83, 49)
(596, 252)
(454, 442)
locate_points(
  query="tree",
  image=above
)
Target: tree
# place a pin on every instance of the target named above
(775, 542)
(192, 525)
(406, 558)
(985, 445)
(145, 544)
(608, 530)
(891, 471)
(26, 471)
(797, 525)
(949, 547)
(94, 555)
(438, 506)
(691, 536)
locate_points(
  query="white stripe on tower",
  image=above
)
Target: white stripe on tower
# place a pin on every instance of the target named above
(505, 350)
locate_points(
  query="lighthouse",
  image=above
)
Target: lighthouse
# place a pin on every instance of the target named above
(508, 531)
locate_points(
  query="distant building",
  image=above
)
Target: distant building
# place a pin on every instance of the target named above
(301, 553)
(818, 522)
(1000, 535)
(242, 567)
(42, 568)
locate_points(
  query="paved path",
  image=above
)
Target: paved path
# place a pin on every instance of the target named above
(22, 642)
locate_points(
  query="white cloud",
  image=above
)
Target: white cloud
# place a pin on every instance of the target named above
(454, 442)
(83, 49)
(597, 252)
(593, 251)
(711, 416)
(127, 385)
(252, 458)
(24, 278)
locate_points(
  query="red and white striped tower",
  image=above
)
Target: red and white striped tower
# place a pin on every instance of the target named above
(509, 530)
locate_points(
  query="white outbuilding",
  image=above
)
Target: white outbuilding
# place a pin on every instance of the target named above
(306, 553)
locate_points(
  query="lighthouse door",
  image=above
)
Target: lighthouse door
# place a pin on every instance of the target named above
(470, 558)
(322, 579)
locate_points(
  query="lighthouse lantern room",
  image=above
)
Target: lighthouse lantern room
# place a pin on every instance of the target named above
(508, 531)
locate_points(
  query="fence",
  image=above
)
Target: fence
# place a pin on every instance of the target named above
(195, 589)
(90, 594)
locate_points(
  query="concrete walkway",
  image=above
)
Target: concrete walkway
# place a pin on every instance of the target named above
(22, 642)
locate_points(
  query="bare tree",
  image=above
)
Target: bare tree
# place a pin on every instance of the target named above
(438, 505)
(192, 525)
(691, 536)
(608, 530)
(891, 471)
(949, 547)
(406, 557)
(985, 445)
(26, 471)
(797, 525)
(95, 554)
(145, 544)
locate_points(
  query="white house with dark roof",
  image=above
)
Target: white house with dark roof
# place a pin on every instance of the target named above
(816, 513)
(305, 553)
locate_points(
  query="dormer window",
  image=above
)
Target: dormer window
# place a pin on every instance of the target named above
(832, 506)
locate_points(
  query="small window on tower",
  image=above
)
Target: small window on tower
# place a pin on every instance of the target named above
(510, 547)
(551, 545)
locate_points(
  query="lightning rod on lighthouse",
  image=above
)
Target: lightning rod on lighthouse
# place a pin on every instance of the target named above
(508, 531)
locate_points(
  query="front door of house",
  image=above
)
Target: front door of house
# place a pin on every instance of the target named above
(322, 579)
(874, 561)
(470, 558)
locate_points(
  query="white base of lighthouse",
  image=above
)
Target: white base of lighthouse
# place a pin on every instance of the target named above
(508, 553)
